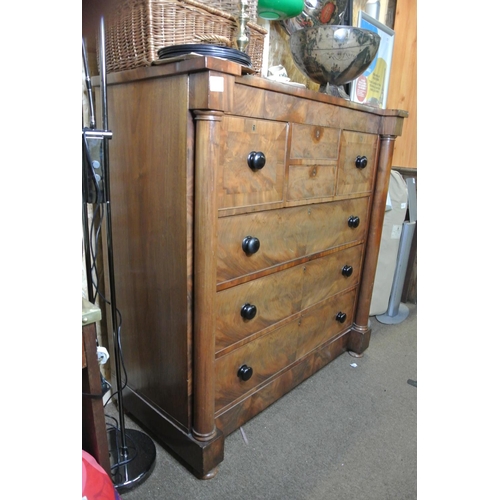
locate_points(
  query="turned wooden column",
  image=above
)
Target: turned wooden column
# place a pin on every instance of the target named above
(205, 262)
(360, 334)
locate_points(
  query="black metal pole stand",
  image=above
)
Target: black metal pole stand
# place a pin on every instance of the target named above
(132, 453)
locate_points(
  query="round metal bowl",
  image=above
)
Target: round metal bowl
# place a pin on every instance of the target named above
(333, 54)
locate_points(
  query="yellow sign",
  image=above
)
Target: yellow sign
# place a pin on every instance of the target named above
(372, 86)
(375, 91)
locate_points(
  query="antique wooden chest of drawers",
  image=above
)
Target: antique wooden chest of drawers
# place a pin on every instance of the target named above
(247, 218)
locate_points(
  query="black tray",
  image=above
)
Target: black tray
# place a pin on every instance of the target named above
(206, 49)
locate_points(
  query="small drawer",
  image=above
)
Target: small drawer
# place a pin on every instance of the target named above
(307, 182)
(246, 309)
(243, 369)
(311, 142)
(356, 167)
(248, 243)
(252, 162)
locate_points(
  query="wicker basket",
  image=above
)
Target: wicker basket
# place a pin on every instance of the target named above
(232, 6)
(139, 28)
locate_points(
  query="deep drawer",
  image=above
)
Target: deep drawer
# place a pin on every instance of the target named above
(248, 308)
(273, 352)
(286, 234)
(244, 179)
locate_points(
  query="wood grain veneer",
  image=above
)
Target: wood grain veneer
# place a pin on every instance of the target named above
(185, 198)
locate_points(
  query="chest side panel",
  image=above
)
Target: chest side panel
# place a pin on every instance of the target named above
(152, 237)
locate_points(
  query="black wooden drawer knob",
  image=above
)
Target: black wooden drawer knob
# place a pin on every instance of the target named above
(353, 221)
(256, 160)
(341, 317)
(347, 271)
(250, 244)
(361, 161)
(245, 372)
(248, 311)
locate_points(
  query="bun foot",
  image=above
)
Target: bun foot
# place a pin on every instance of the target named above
(355, 354)
(210, 474)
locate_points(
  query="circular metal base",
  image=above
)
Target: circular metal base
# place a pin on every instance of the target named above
(394, 320)
(130, 469)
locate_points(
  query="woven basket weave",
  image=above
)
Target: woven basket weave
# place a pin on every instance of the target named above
(232, 6)
(139, 28)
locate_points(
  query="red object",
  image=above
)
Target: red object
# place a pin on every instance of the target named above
(326, 13)
(96, 484)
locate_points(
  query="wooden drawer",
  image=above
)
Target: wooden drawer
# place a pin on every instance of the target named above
(307, 182)
(248, 308)
(271, 353)
(353, 177)
(238, 184)
(286, 234)
(310, 142)
(312, 164)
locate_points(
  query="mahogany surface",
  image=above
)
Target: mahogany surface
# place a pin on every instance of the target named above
(185, 195)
